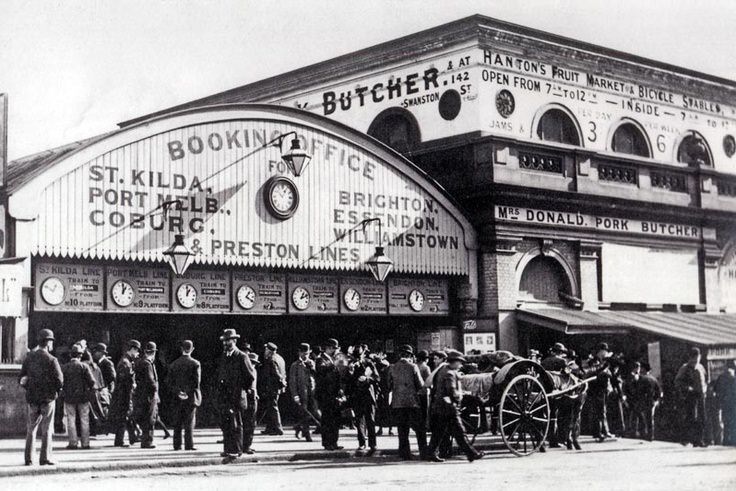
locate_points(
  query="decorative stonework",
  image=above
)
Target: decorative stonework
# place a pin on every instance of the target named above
(505, 103)
(729, 145)
(618, 174)
(669, 181)
(539, 162)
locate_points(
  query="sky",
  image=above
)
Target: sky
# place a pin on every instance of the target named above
(74, 69)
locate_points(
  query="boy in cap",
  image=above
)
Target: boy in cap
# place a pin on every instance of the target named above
(183, 381)
(301, 386)
(121, 406)
(42, 379)
(273, 382)
(145, 396)
(78, 385)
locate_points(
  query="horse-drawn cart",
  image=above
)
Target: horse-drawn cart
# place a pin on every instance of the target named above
(518, 393)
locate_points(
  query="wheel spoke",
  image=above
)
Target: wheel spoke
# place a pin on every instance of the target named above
(518, 407)
(512, 422)
(537, 408)
(536, 399)
(511, 412)
(541, 420)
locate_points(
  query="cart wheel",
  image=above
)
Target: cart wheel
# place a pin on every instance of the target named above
(523, 415)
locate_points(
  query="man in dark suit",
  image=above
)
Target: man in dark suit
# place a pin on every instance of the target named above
(42, 380)
(145, 396)
(273, 379)
(328, 392)
(249, 415)
(121, 406)
(235, 376)
(107, 370)
(302, 385)
(446, 412)
(183, 380)
(78, 384)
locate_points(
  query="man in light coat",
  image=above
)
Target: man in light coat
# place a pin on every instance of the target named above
(406, 386)
(78, 385)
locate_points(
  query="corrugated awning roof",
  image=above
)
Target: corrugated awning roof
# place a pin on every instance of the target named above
(700, 329)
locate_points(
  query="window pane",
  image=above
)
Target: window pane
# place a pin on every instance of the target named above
(557, 126)
(629, 139)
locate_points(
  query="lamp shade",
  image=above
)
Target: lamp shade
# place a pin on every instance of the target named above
(179, 256)
(296, 159)
(380, 264)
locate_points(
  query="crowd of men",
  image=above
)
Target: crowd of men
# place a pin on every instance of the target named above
(333, 388)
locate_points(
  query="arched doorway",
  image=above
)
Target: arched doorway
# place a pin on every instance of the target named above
(542, 280)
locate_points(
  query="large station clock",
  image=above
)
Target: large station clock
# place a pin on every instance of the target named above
(246, 297)
(281, 197)
(300, 297)
(416, 300)
(351, 298)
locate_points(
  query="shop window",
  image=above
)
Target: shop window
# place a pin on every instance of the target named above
(542, 281)
(694, 151)
(397, 128)
(630, 140)
(557, 126)
(7, 341)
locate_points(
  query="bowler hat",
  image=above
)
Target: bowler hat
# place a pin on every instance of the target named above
(454, 355)
(150, 347)
(229, 334)
(45, 334)
(100, 347)
(134, 343)
(422, 355)
(271, 346)
(253, 357)
(559, 348)
(332, 343)
(440, 354)
(187, 345)
(77, 350)
(304, 347)
(405, 348)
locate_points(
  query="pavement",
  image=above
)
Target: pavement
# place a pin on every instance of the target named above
(103, 456)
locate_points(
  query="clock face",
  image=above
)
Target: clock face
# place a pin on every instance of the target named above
(351, 297)
(300, 298)
(122, 293)
(416, 300)
(282, 197)
(186, 295)
(52, 291)
(246, 297)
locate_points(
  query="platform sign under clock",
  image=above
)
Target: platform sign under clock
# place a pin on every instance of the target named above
(259, 293)
(138, 289)
(312, 294)
(201, 291)
(362, 296)
(68, 287)
(418, 296)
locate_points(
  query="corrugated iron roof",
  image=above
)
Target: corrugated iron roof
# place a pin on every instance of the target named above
(700, 329)
(22, 170)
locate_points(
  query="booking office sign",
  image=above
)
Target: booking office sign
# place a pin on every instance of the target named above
(237, 204)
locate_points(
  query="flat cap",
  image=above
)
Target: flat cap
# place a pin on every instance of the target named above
(405, 348)
(150, 347)
(100, 347)
(559, 348)
(77, 349)
(304, 347)
(134, 343)
(271, 346)
(602, 347)
(454, 355)
(439, 353)
(422, 355)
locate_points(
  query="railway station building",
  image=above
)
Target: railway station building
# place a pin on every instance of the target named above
(527, 188)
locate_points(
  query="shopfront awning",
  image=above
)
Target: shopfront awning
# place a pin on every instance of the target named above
(699, 329)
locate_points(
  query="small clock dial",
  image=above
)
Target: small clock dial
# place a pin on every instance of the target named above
(186, 295)
(122, 293)
(416, 300)
(351, 297)
(52, 291)
(282, 197)
(300, 298)
(246, 297)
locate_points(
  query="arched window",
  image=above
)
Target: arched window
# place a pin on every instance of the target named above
(694, 151)
(397, 128)
(555, 125)
(628, 138)
(542, 280)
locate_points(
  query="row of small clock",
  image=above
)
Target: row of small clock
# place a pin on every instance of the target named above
(123, 294)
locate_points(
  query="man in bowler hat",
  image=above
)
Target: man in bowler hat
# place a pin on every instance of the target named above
(42, 379)
(145, 395)
(183, 381)
(328, 392)
(121, 407)
(235, 377)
